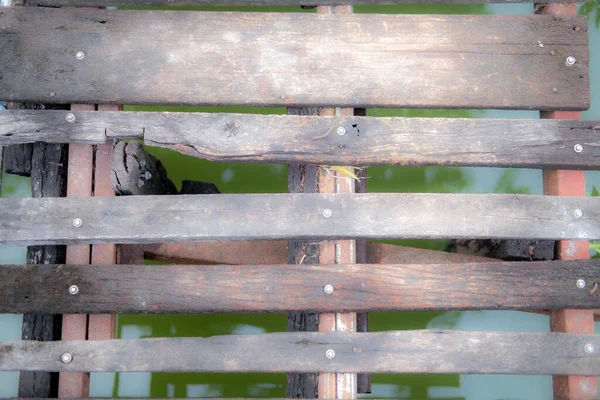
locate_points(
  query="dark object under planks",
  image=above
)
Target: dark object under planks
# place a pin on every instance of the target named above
(445, 61)
(218, 217)
(298, 288)
(314, 140)
(428, 351)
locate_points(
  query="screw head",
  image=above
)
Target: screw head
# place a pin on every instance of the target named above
(77, 222)
(570, 61)
(580, 283)
(589, 348)
(341, 130)
(577, 213)
(73, 289)
(578, 148)
(327, 213)
(66, 358)
(79, 55)
(147, 175)
(330, 353)
(328, 289)
(70, 117)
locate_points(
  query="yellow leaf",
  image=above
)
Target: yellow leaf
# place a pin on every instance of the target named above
(347, 172)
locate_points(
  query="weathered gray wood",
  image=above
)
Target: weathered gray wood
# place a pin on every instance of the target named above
(170, 3)
(455, 61)
(429, 351)
(308, 139)
(188, 218)
(278, 288)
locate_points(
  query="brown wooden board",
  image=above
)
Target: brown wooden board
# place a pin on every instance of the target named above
(427, 351)
(454, 61)
(188, 218)
(171, 3)
(308, 139)
(279, 288)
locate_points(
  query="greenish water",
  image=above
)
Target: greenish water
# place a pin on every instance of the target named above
(273, 178)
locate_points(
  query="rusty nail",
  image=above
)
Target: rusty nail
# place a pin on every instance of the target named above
(73, 289)
(77, 222)
(580, 283)
(66, 358)
(589, 348)
(79, 55)
(570, 61)
(330, 353)
(578, 213)
(328, 289)
(70, 117)
(578, 148)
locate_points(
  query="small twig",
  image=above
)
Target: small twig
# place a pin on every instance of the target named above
(302, 259)
(593, 289)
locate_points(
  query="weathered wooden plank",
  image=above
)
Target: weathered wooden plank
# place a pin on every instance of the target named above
(428, 351)
(185, 218)
(306, 139)
(279, 288)
(455, 61)
(171, 3)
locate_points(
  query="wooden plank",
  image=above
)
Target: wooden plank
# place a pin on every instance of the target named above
(278, 288)
(185, 218)
(191, 3)
(454, 61)
(314, 140)
(427, 351)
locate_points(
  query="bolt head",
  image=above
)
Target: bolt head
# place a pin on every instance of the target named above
(70, 117)
(73, 289)
(341, 130)
(327, 213)
(77, 222)
(79, 55)
(578, 148)
(580, 283)
(570, 61)
(147, 175)
(328, 289)
(330, 353)
(66, 358)
(577, 213)
(589, 348)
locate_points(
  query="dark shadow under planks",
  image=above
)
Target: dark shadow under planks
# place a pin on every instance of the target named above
(359, 60)
(189, 218)
(298, 288)
(429, 351)
(308, 139)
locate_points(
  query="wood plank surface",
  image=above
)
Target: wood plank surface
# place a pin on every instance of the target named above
(453, 61)
(187, 218)
(309, 139)
(427, 351)
(171, 3)
(279, 288)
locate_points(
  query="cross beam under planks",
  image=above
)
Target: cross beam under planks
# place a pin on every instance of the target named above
(299, 288)
(187, 218)
(334, 140)
(359, 60)
(427, 351)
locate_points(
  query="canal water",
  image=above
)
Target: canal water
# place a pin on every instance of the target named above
(272, 179)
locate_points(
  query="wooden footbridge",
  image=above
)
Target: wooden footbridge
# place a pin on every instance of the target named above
(304, 252)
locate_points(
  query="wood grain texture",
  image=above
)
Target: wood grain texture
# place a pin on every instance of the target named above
(279, 288)
(454, 61)
(188, 218)
(429, 351)
(306, 139)
(171, 3)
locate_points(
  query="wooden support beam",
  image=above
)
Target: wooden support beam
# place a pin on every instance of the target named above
(186, 218)
(314, 140)
(427, 351)
(453, 61)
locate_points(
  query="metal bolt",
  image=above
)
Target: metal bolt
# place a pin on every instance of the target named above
(577, 213)
(140, 182)
(330, 353)
(341, 130)
(73, 289)
(570, 61)
(328, 289)
(66, 358)
(70, 117)
(142, 163)
(580, 283)
(327, 213)
(588, 348)
(77, 222)
(554, 90)
(578, 148)
(147, 175)
(79, 55)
